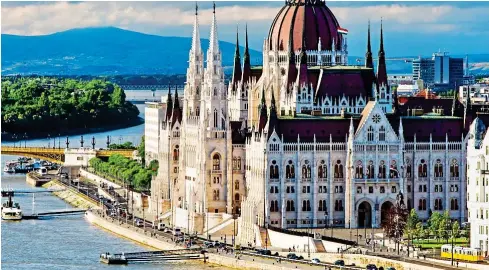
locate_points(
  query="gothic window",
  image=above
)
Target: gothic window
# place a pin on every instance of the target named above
(274, 170)
(215, 118)
(216, 179)
(216, 162)
(197, 90)
(273, 205)
(359, 170)
(338, 169)
(454, 169)
(216, 195)
(306, 170)
(370, 134)
(382, 189)
(422, 204)
(322, 170)
(382, 169)
(322, 205)
(454, 204)
(438, 169)
(438, 204)
(290, 170)
(306, 205)
(423, 169)
(239, 163)
(197, 111)
(359, 190)
(394, 173)
(382, 134)
(236, 185)
(370, 190)
(176, 153)
(408, 169)
(393, 189)
(370, 170)
(338, 205)
(290, 206)
(236, 197)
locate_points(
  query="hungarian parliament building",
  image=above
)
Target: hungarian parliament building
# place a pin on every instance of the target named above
(305, 139)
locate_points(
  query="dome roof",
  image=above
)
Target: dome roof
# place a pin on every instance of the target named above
(303, 22)
(477, 131)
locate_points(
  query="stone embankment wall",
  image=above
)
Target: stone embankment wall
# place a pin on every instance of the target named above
(71, 196)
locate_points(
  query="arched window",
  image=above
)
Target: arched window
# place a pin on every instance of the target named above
(382, 169)
(306, 170)
(236, 185)
(338, 169)
(216, 195)
(290, 206)
(216, 162)
(394, 173)
(176, 153)
(215, 118)
(215, 89)
(306, 205)
(290, 170)
(322, 205)
(408, 169)
(438, 168)
(274, 170)
(322, 170)
(454, 169)
(423, 169)
(454, 204)
(382, 134)
(197, 90)
(238, 167)
(370, 170)
(359, 170)
(438, 204)
(236, 197)
(422, 204)
(274, 206)
(359, 190)
(370, 134)
(338, 205)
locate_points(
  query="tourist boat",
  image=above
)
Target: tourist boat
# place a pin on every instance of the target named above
(11, 211)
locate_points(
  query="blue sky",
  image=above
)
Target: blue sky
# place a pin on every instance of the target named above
(411, 28)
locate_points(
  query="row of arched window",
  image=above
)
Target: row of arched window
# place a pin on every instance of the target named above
(370, 134)
(306, 170)
(438, 204)
(306, 205)
(438, 169)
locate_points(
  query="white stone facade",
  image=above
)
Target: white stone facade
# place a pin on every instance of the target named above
(153, 116)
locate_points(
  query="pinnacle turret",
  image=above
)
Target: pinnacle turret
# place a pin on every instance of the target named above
(246, 62)
(213, 40)
(368, 55)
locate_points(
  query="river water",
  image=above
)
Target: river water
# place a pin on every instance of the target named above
(68, 242)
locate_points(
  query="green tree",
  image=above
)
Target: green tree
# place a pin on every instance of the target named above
(141, 150)
(434, 224)
(455, 229)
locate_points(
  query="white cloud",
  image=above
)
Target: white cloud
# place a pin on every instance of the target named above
(46, 18)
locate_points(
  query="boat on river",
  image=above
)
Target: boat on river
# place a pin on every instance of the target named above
(11, 210)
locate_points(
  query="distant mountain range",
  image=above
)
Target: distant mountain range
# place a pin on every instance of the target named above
(113, 51)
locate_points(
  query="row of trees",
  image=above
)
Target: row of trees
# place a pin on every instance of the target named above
(126, 145)
(438, 226)
(124, 170)
(54, 104)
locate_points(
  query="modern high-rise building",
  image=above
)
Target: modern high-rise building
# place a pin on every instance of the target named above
(439, 71)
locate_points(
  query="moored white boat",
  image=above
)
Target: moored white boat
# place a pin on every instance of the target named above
(11, 211)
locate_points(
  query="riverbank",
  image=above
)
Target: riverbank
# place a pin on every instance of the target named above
(7, 136)
(71, 196)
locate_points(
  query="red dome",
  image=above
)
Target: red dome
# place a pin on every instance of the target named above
(313, 16)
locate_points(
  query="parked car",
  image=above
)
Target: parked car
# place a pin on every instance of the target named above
(292, 256)
(300, 258)
(208, 244)
(160, 226)
(339, 263)
(267, 252)
(390, 268)
(371, 267)
(139, 223)
(167, 230)
(315, 260)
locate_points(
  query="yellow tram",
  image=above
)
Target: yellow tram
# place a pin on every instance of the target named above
(462, 253)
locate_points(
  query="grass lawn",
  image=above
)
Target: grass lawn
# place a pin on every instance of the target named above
(437, 243)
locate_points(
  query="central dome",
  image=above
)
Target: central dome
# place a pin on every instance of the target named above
(303, 22)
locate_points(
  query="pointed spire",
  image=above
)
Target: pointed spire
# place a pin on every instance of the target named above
(381, 66)
(177, 111)
(237, 64)
(169, 103)
(368, 56)
(263, 112)
(176, 104)
(213, 40)
(292, 71)
(454, 104)
(246, 61)
(196, 47)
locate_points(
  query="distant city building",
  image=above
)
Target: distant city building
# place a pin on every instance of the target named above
(397, 79)
(440, 71)
(153, 116)
(479, 93)
(407, 90)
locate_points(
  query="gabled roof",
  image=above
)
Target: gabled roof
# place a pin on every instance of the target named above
(365, 113)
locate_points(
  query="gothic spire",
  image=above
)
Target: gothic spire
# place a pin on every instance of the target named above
(262, 121)
(237, 64)
(213, 40)
(177, 111)
(176, 104)
(169, 103)
(246, 61)
(196, 48)
(272, 120)
(381, 66)
(368, 56)
(292, 71)
(454, 104)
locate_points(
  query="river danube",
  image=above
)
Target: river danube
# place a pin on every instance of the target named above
(68, 242)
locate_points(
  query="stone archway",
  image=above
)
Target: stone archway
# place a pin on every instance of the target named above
(364, 215)
(384, 211)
